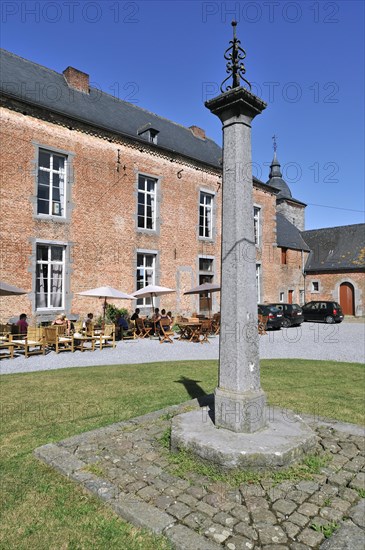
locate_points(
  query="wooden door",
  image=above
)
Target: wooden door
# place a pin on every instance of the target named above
(347, 298)
(290, 296)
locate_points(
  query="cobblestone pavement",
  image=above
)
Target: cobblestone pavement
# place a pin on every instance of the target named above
(128, 467)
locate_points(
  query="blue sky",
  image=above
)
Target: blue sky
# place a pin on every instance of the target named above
(305, 59)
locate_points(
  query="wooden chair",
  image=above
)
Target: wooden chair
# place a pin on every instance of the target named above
(262, 322)
(8, 347)
(5, 332)
(166, 333)
(205, 330)
(107, 338)
(78, 326)
(33, 342)
(56, 340)
(131, 333)
(143, 331)
(216, 323)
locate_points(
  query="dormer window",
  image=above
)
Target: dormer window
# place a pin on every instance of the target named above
(149, 134)
(152, 136)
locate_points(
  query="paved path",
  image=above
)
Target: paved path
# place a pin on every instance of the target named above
(342, 342)
(136, 478)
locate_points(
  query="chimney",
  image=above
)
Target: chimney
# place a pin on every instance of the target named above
(198, 132)
(77, 80)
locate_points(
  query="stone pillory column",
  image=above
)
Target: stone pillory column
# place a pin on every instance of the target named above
(239, 399)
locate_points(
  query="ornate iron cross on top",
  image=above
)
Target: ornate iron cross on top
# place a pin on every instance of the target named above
(234, 55)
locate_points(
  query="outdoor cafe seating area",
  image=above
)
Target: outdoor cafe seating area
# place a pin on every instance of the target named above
(81, 336)
(44, 339)
(40, 340)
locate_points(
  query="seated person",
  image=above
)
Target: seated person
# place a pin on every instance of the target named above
(121, 325)
(156, 315)
(61, 320)
(155, 319)
(164, 315)
(22, 324)
(135, 314)
(87, 322)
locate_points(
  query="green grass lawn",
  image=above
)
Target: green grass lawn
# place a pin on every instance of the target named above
(42, 510)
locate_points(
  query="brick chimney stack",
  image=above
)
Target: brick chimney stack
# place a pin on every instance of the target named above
(77, 80)
(198, 132)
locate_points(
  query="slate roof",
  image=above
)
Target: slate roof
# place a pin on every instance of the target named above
(289, 236)
(336, 248)
(276, 181)
(37, 85)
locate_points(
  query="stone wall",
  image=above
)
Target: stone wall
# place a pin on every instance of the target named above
(295, 213)
(329, 287)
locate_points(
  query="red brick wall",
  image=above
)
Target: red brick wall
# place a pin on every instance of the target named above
(103, 219)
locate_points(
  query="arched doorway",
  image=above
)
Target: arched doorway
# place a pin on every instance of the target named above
(347, 298)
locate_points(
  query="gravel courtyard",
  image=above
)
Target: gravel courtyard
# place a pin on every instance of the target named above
(340, 342)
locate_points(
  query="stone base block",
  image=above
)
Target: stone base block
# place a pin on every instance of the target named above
(243, 412)
(285, 440)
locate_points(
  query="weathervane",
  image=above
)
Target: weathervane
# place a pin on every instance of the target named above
(234, 55)
(274, 142)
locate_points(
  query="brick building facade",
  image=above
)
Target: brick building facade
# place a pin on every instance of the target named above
(96, 191)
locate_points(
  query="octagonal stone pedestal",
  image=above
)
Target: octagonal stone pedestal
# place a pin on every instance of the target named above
(285, 440)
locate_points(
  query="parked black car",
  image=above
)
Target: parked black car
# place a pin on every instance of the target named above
(274, 316)
(292, 313)
(329, 312)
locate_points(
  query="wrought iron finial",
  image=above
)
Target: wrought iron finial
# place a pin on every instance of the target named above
(274, 142)
(236, 69)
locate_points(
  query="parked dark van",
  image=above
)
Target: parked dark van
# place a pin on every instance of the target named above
(274, 316)
(292, 314)
(329, 312)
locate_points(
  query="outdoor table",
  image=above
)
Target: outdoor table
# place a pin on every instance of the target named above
(190, 331)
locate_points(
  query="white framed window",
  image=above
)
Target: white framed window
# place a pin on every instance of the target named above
(146, 202)
(315, 286)
(258, 282)
(50, 270)
(256, 224)
(206, 215)
(51, 183)
(281, 297)
(146, 274)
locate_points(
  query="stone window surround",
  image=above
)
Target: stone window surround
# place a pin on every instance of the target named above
(69, 181)
(213, 227)
(158, 199)
(67, 296)
(312, 290)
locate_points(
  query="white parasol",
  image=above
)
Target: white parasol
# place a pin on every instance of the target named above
(106, 292)
(10, 290)
(152, 291)
(204, 288)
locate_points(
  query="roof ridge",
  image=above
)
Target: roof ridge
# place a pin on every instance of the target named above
(334, 227)
(99, 90)
(29, 61)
